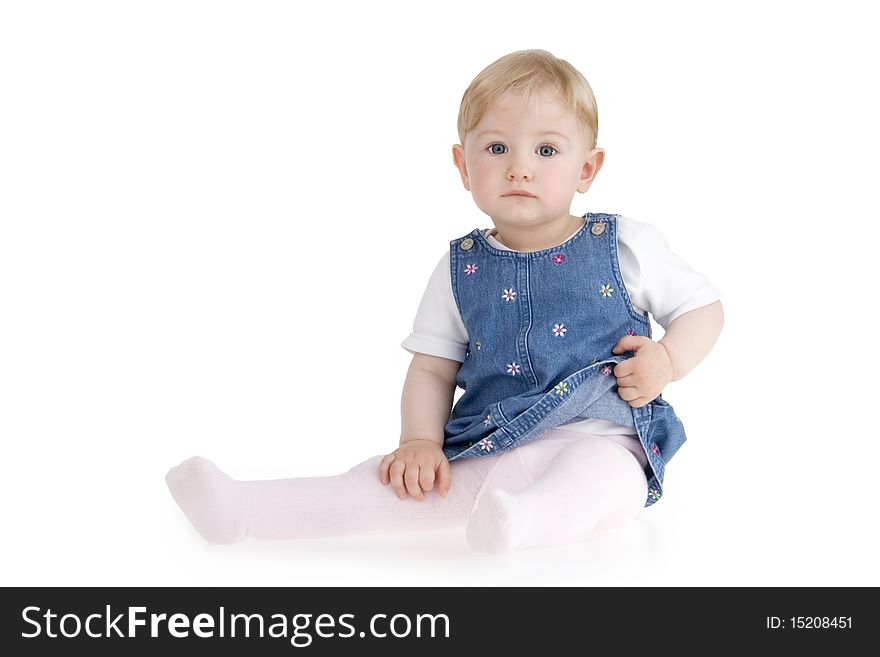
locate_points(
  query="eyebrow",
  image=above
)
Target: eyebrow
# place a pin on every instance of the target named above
(540, 134)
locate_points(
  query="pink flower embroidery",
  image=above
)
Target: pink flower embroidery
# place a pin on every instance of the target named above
(561, 388)
(606, 371)
(606, 290)
(655, 450)
(559, 330)
(654, 494)
(558, 258)
(488, 420)
(508, 295)
(485, 445)
(630, 332)
(470, 269)
(513, 368)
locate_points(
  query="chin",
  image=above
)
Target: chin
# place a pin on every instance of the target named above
(520, 216)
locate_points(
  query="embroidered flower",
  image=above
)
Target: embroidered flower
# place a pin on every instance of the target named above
(561, 388)
(508, 295)
(477, 345)
(630, 332)
(558, 258)
(485, 445)
(654, 494)
(488, 420)
(470, 269)
(606, 371)
(513, 368)
(595, 360)
(655, 450)
(606, 290)
(559, 330)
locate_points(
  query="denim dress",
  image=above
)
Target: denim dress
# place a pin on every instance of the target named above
(541, 327)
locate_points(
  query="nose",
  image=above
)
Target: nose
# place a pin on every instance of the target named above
(519, 171)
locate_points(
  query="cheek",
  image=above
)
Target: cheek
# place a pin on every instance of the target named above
(481, 172)
(565, 177)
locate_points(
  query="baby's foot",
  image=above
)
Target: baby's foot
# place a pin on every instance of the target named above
(496, 525)
(209, 499)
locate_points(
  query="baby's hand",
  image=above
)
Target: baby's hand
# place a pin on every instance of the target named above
(414, 467)
(641, 378)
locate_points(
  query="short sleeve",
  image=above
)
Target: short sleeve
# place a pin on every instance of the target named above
(657, 279)
(437, 328)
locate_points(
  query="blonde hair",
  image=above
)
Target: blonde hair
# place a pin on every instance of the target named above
(529, 71)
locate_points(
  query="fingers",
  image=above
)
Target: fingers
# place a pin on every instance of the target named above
(411, 479)
(384, 464)
(444, 478)
(632, 396)
(627, 394)
(396, 473)
(415, 477)
(405, 478)
(426, 477)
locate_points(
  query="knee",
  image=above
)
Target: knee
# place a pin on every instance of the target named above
(605, 454)
(597, 446)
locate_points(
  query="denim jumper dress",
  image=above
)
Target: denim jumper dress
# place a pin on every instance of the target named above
(541, 327)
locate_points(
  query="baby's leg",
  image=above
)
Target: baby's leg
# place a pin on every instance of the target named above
(584, 483)
(225, 510)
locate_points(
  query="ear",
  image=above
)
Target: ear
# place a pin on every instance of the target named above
(594, 161)
(458, 160)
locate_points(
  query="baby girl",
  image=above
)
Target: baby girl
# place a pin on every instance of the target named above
(543, 322)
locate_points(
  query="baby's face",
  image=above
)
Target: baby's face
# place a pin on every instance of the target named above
(536, 146)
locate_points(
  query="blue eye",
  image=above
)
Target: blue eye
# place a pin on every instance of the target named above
(546, 150)
(497, 149)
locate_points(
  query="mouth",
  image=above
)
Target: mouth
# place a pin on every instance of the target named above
(519, 192)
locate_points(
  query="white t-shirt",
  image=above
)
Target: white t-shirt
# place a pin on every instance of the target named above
(657, 280)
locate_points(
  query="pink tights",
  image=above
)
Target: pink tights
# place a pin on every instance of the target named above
(554, 490)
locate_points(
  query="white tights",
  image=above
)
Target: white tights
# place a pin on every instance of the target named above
(554, 490)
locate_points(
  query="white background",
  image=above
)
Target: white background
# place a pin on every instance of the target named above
(218, 219)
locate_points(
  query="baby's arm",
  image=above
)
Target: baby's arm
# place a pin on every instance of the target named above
(425, 405)
(687, 341)
(690, 337)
